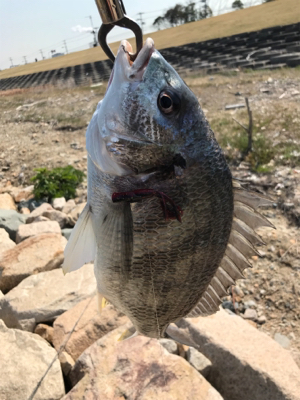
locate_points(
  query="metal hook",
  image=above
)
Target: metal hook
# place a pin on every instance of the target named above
(113, 13)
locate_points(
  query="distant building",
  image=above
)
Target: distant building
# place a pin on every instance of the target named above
(57, 54)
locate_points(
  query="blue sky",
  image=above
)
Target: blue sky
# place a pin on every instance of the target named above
(26, 26)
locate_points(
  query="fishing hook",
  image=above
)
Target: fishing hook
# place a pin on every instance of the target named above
(112, 13)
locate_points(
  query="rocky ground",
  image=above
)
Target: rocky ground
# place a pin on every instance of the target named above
(45, 127)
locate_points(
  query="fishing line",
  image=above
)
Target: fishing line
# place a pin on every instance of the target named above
(62, 347)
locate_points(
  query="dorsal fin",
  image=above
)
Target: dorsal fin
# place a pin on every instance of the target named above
(240, 247)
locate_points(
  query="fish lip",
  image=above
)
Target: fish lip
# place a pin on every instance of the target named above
(134, 71)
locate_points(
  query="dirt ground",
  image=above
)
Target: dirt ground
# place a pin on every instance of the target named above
(46, 128)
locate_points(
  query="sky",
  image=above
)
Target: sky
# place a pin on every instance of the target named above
(28, 26)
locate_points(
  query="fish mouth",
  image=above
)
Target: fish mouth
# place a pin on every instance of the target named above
(132, 71)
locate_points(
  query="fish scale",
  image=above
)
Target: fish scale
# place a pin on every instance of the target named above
(180, 230)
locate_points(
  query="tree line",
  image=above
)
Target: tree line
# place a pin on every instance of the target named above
(182, 14)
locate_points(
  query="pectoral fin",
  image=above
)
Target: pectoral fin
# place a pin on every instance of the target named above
(81, 247)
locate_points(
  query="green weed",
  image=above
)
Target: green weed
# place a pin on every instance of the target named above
(58, 182)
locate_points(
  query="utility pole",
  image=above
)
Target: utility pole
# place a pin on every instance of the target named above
(65, 44)
(11, 60)
(140, 19)
(90, 17)
(41, 51)
(94, 31)
(25, 59)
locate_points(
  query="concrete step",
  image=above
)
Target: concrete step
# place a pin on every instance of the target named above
(283, 58)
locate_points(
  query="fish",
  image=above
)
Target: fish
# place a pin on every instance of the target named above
(168, 228)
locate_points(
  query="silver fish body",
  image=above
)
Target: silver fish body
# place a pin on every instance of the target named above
(149, 133)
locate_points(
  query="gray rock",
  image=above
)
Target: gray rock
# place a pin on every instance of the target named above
(24, 357)
(169, 345)
(199, 361)
(36, 228)
(282, 340)
(66, 232)
(234, 346)
(44, 296)
(250, 314)
(10, 220)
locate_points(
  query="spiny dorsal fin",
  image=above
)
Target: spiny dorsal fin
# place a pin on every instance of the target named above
(240, 247)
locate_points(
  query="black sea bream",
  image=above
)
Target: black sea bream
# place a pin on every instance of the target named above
(166, 226)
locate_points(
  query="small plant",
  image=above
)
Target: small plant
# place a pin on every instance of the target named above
(58, 182)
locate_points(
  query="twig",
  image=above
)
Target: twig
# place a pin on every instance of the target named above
(250, 127)
(243, 126)
(249, 130)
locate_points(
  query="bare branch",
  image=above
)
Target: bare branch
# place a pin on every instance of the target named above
(250, 128)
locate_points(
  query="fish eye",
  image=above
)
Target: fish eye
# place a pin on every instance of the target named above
(168, 101)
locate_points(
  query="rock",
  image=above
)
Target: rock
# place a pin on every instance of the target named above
(57, 216)
(58, 203)
(90, 328)
(5, 242)
(7, 202)
(250, 304)
(21, 193)
(262, 320)
(234, 106)
(38, 212)
(33, 255)
(169, 345)
(45, 296)
(40, 218)
(37, 228)
(24, 357)
(233, 347)
(66, 232)
(70, 204)
(199, 361)
(45, 331)
(66, 362)
(250, 314)
(227, 304)
(296, 356)
(31, 204)
(238, 291)
(282, 340)
(10, 220)
(138, 368)
(74, 214)
(25, 210)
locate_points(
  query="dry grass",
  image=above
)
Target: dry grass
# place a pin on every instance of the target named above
(279, 12)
